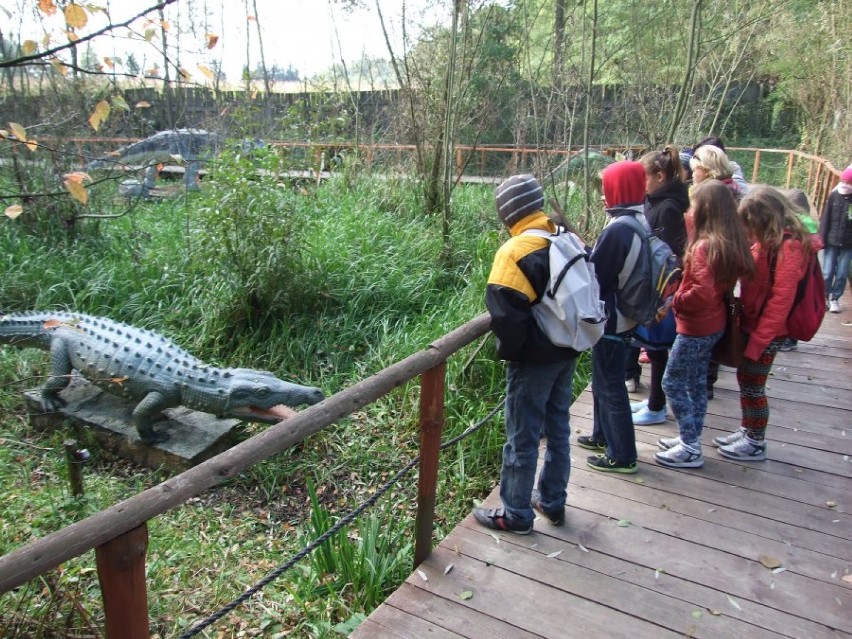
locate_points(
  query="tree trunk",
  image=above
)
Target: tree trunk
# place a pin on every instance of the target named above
(587, 178)
(689, 70)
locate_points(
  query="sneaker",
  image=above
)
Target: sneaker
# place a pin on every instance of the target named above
(744, 449)
(607, 465)
(679, 457)
(665, 443)
(637, 406)
(647, 417)
(834, 306)
(556, 517)
(632, 385)
(496, 519)
(727, 440)
(789, 345)
(587, 442)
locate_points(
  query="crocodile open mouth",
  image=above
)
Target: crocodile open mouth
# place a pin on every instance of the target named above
(270, 415)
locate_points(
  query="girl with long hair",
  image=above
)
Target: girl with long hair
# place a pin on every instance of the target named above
(666, 202)
(716, 257)
(781, 249)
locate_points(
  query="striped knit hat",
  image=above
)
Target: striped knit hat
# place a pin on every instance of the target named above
(517, 197)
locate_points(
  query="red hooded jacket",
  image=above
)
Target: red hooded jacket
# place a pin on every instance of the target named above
(765, 310)
(699, 304)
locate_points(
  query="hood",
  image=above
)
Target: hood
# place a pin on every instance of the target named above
(675, 190)
(535, 221)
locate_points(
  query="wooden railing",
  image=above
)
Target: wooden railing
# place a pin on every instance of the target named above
(816, 176)
(119, 534)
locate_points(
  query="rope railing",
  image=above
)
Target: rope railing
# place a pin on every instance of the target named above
(341, 523)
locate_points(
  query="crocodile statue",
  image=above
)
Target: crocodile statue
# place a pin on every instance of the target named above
(146, 367)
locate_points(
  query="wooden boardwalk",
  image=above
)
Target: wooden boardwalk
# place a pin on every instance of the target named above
(671, 553)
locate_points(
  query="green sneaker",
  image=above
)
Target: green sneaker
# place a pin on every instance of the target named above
(607, 465)
(586, 441)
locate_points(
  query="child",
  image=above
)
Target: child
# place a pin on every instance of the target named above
(836, 231)
(538, 374)
(614, 256)
(717, 255)
(781, 252)
(666, 203)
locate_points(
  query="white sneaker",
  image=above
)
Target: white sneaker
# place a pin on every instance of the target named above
(727, 440)
(667, 443)
(834, 306)
(680, 456)
(744, 449)
(635, 407)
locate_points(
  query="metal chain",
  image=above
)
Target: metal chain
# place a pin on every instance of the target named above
(344, 521)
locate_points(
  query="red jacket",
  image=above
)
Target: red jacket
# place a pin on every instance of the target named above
(765, 311)
(699, 304)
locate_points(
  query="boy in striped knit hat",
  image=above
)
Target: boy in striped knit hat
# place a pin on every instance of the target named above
(538, 374)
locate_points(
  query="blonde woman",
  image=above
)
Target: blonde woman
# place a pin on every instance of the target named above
(711, 163)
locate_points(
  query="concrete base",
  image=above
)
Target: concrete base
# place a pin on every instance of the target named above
(194, 436)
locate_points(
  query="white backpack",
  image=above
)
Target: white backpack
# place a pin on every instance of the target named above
(570, 312)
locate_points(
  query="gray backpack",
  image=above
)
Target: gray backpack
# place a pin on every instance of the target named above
(570, 311)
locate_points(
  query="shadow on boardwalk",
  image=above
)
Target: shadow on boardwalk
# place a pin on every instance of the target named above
(671, 553)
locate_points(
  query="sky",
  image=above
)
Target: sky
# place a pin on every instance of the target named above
(310, 35)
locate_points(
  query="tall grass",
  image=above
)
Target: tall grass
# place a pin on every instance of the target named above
(324, 285)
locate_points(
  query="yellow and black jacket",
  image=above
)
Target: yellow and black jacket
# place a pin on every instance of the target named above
(518, 278)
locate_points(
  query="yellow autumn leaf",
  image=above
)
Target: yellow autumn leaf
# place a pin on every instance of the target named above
(60, 68)
(78, 177)
(108, 62)
(207, 71)
(164, 25)
(186, 75)
(72, 37)
(75, 16)
(32, 145)
(143, 104)
(19, 131)
(77, 191)
(45, 40)
(13, 211)
(149, 34)
(119, 103)
(29, 47)
(212, 39)
(100, 114)
(47, 7)
(770, 562)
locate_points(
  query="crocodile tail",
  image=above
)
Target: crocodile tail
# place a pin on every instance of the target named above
(29, 330)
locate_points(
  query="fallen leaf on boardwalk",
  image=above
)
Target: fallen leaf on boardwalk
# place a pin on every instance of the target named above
(713, 612)
(779, 569)
(423, 575)
(582, 547)
(623, 523)
(555, 554)
(847, 579)
(770, 562)
(448, 569)
(658, 572)
(696, 614)
(831, 504)
(639, 480)
(496, 538)
(733, 603)
(467, 594)
(711, 510)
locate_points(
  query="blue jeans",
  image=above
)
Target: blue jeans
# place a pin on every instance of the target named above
(685, 384)
(538, 398)
(613, 417)
(835, 270)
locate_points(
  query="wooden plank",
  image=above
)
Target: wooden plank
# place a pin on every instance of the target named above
(393, 623)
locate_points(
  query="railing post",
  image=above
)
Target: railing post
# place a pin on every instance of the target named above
(121, 572)
(790, 160)
(431, 428)
(756, 166)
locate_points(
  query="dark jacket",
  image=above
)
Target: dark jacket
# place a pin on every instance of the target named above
(617, 249)
(664, 211)
(518, 278)
(833, 225)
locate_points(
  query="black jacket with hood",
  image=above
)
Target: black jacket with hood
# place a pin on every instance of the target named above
(665, 210)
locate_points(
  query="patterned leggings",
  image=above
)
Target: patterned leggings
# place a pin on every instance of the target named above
(752, 377)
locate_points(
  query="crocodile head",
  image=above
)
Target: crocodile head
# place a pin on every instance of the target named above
(259, 396)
